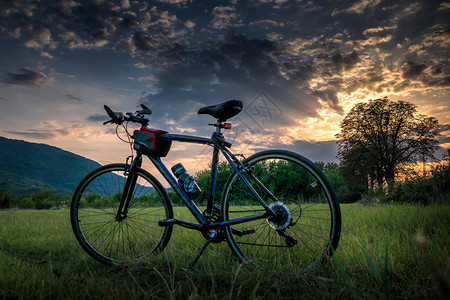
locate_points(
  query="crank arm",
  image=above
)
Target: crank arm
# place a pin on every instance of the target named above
(246, 231)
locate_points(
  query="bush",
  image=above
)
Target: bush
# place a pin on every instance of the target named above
(174, 198)
(5, 198)
(419, 190)
(374, 196)
(347, 194)
(24, 202)
(46, 199)
(344, 192)
(425, 190)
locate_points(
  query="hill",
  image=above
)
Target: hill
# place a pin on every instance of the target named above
(26, 167)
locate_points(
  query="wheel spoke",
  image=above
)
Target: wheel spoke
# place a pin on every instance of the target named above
(138, 235)
(304, 210)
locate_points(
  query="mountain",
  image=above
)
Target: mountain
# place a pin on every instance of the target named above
(26, 167)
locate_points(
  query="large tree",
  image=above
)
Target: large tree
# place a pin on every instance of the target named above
(378, 136)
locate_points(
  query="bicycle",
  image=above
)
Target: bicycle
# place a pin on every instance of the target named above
(276, 205)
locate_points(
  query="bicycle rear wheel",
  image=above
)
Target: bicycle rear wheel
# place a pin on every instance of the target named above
(94, 209)
(308, 219)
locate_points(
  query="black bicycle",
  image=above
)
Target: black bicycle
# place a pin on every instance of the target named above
(276, 205)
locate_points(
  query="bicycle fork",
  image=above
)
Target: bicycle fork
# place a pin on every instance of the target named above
(128, 189)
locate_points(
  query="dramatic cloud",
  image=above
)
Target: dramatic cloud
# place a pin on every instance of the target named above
(27, 77)
(319, 65)
(412, 70)
(225, 17)
(313, 59)
(330, 97)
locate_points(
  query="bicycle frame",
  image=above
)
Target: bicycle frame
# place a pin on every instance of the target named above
(219, 144)
(142, 223)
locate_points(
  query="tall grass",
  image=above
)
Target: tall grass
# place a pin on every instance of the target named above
(385, 252)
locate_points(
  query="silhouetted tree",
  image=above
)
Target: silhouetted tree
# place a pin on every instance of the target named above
(379, 135)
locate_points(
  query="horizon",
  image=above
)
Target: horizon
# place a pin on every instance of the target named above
(298, 66)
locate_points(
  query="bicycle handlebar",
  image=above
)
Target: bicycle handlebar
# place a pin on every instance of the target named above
(118, 117)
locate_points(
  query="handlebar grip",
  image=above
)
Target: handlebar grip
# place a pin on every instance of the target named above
(110, 113)
(115, 117)
(119, 118)
(145, 110)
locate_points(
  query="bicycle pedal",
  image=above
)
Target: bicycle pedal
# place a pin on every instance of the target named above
(167, 222)
(238, 232)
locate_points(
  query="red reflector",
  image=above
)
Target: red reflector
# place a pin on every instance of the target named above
(227, 125)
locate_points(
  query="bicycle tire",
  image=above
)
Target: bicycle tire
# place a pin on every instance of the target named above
(94, 208)
(304, 233)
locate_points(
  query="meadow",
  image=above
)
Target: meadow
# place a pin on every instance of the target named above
(385, 252)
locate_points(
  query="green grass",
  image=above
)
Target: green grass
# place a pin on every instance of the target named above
(389, 251)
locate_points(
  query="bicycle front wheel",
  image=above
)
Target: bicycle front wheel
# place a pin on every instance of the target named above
(108, 239)
(307, 222)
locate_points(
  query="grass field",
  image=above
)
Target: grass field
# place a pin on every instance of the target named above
(389, 251)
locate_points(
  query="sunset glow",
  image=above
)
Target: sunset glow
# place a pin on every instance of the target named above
(299, 67)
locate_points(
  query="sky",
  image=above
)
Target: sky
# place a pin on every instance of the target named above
(298, 66)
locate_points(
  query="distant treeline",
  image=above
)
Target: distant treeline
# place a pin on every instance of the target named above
(40, 199)
(431, 189)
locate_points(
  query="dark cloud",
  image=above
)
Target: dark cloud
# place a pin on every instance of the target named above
(27, 77)
(429, 76)
(143, 41)
(39, 134)
(225, 17)
(330, 96)
(345, 62)
(334, 62)
(237, 67)
(225, 56)
(129, 21)
(98, 118)
(437, 71)
(437, 82)
(443, 127)
(33, 134)
(71, 97)
(401, 86)
(199, 53)
(82, 24)
(301, 73)
(413, 70)
(98, 19)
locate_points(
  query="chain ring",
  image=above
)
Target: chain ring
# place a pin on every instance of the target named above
(214, 217)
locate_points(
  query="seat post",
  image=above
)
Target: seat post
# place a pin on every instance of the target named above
(213, 177)
(218, 126)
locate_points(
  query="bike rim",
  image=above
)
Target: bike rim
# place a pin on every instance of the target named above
(310, 205)
(131, 239)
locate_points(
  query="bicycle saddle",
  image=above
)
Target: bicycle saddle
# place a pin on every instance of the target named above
(223, 111)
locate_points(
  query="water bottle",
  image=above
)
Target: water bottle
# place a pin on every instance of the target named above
(186, 181)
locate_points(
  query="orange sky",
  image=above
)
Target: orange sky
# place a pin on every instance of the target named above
(298, 66)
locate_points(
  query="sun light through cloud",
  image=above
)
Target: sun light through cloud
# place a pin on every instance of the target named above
(62, 61)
